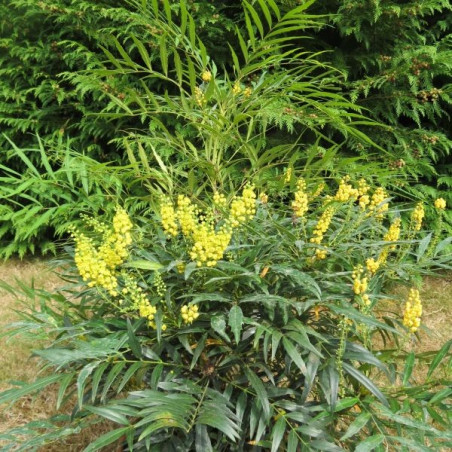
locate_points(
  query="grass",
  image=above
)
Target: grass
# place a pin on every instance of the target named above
(15, 362)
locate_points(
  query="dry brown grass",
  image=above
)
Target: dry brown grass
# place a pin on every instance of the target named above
(16, 365)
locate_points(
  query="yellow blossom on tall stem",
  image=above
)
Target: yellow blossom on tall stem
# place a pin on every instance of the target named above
(168, 217)
(300, 203)
(97, 266)
(376, 203)
(440, 203)
(393, 233)
(243, 208)
(206, 76)
(345, 191)
(417, 216)
(413, 311)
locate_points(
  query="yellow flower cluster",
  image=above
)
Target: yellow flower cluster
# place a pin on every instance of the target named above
(168, 217)
(263, 198)
(209, 246)
(236, 89)
(97, 265)
(91, 268)
(186, 214)
(322, 225)
(364, 198)
(372, 265)
(393, 233)
(243, 208)
(189, 313)
(114, 248)
(206, 76)
(413, 311)
(148, 312)
(288, 175)
(159, 284)
(359, 282)
(376, 201)
(199, 97)
(247, 91)
(417, 216)
(300, 203)
(345, 191)
(440, 203)
(219, 200)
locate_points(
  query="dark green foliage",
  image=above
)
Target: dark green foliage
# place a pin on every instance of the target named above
(398, 61)
(39, 204)
(43, 43)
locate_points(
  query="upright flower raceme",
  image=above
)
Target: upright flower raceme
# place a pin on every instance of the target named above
(300, 203)
(417, 216)
(440, 203)
(97, 265)
(243, 208)
(345, 191)
(377, 204)
(413, 311)
(209, 238)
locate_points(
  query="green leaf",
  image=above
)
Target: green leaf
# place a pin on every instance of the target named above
(129, 374)
(258, 386)
(366, 382)
(409, 364)
(439, 357)
(81, 380)
(107, 439)
(64, 383)
(198, 350)
(356, 425)
(218, 324)
(110, 413)
(292, 442)
(236, 321)
(294, 355)
(370, 443)
(278, 433)
(96, 379)
(143, 264)
(134, 344)
(423, 245)
(202, 441)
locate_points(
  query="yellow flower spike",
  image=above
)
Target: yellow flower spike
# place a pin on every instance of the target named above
(263, 197)
(413, 311)
(440, 203)
(372, 265)
(247, 91)
(393, 233)
(345, 191)
(376, 201)
(219, 200)
(168, 218)
(359, 282)
(236, 89)
(322, 225)
(243, 208)
(189, 313)
(300, 203)
(206, 76)
(417, 216)
(288, 175)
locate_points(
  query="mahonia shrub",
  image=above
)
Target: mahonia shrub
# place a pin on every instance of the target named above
(244, 321)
